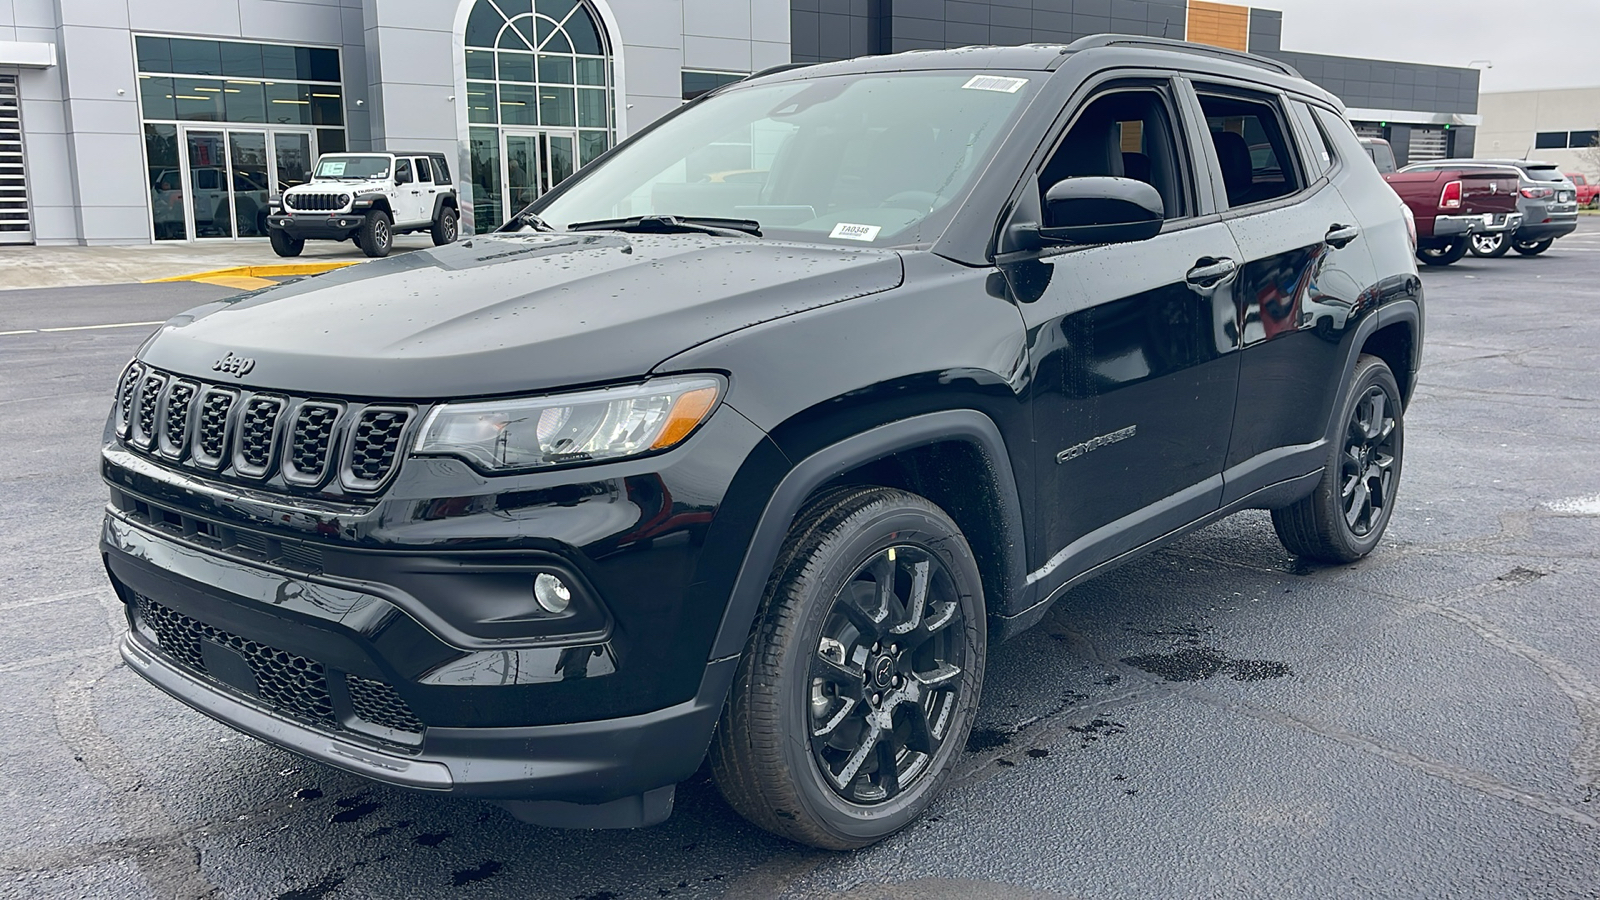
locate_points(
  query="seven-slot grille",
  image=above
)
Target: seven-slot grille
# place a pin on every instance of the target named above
(316, 202)
(249, 436)
(289, 683)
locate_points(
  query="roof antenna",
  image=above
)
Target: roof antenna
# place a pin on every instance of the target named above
(1165, 24)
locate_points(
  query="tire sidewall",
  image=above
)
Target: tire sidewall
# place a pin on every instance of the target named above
(869, 533)
(1369, 371)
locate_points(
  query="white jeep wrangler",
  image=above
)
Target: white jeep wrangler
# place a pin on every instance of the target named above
(368, 198)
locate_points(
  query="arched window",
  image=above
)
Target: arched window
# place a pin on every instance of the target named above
(540, 101)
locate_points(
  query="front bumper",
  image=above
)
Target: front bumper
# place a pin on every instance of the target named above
(301, 647)
(1487, 223)
(334, 226)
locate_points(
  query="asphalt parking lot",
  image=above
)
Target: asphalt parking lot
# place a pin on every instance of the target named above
(1214, 720)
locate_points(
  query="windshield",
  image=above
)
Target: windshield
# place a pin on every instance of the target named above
(364, 168)
(868, 159)
(1545, 173)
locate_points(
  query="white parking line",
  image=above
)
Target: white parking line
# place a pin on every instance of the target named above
(77, 328)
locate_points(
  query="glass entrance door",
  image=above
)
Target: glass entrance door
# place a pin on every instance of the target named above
(533, 161)
(521, 176)
(230, 174)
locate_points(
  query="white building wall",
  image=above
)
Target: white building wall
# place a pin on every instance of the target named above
(400, 58)
(1512, 119)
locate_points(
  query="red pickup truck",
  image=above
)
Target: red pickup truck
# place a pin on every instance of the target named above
(1451, 205)
(1588, 192)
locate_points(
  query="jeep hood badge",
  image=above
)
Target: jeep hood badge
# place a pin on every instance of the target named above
(237, 366)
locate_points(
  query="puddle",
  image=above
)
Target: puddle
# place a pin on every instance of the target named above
(982, 739)
(482, 872)
(316, 891)
(1200, 663)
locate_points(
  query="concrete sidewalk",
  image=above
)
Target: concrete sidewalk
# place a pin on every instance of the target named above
(44, 267)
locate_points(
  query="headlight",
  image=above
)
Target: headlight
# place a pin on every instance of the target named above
(591, 426)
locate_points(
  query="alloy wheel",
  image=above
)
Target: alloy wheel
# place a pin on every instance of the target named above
(380, 233)
(885, 679)
(1368, 461)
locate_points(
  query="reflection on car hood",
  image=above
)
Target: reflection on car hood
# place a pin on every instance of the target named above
(512, 313)
(326, 185)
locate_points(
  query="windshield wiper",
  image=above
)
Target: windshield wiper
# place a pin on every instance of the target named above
(674, 225)
(525, 219)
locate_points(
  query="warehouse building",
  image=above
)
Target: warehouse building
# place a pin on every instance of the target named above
(1558, 126)
(130, 121)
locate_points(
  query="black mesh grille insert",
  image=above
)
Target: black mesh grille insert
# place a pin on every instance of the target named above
(125, 391)
(175, 425)
(316, 202)
(291, 684)
(375, 443)
(380, 704)
(310, 439)
(257, 426)
(211, 440)
(149, 393)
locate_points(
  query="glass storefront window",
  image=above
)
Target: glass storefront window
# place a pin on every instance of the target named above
(244, 101)
(517, 105)
(486, 193)
(481, 102)
(555, 107)
(480, 64)
(166, 182)
(590, 145)
(288, 104)
(516, 66)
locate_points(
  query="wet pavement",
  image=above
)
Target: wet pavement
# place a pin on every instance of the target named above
(1215, 719)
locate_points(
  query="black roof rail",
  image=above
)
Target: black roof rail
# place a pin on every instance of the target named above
(1155, 43)
(773, 70)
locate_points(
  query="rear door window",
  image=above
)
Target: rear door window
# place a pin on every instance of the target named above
(424, 173)
(1253, 147)
(441, 172)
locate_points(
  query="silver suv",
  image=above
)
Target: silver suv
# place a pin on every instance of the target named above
(367, 198)
(1548, 202)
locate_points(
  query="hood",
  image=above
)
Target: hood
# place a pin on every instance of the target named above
(335, 186)
(511, 313)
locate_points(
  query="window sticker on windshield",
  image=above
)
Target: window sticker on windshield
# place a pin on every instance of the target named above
(333, 167)
(994, 83)
(855, 232)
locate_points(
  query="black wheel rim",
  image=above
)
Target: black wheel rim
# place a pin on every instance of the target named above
(1368, 462)
(888, 675)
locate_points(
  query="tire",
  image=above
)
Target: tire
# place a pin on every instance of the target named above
(1490, 246)
(768, 758)
(283, 244)
(1364, 464)
(1443, 256)
(376, 235)
(446, 227)
(1532, 248)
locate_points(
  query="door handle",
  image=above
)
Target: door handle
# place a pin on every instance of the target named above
(1209, 272)
(1340, 236)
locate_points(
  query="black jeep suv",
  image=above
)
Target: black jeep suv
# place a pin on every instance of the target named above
(760, 466)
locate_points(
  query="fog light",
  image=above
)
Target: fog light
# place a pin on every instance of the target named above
(552, 593)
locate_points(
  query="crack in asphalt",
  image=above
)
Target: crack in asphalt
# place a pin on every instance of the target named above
(170, 869)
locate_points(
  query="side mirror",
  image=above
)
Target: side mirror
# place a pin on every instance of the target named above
(1101, 210)
(402, 178)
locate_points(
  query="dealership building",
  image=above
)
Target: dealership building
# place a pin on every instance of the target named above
(131, 121)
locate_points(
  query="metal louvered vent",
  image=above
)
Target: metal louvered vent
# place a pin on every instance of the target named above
(144, 422)
(316, 202)
(310, 439)
(211, 433)
(125, 392)
(175, 418)
(258, 426)
(374, 445)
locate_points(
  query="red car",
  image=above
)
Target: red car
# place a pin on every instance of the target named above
(1588, 192)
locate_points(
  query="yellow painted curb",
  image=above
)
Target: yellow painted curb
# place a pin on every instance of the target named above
(242, 282)
(276, 270)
